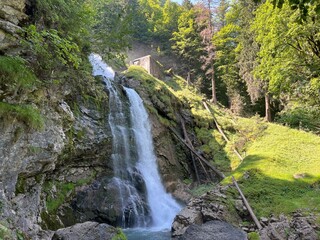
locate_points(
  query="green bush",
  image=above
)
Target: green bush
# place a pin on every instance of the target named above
(302, 117)
(120, 235)
(253, 236)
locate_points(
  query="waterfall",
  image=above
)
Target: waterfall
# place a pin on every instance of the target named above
(127, 179)
(143, 199)
(163, 206)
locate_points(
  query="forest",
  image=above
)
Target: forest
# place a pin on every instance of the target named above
(253, 57)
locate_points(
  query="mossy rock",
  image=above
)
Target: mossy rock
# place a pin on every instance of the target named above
(50, 221)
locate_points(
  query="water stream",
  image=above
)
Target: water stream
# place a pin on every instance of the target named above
(149, 213)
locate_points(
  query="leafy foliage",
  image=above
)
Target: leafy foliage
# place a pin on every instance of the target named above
(47, 44)
(187, 40)
(302, 5)
(302, 117)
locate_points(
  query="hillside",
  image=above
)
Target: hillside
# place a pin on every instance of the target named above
(280, 172)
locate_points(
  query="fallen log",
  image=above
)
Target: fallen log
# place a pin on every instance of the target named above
(221, 131)
(187, 139)
(246, 203)
(220, 174)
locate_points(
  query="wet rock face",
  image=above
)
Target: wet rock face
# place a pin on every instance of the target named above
(86, 231)
(213, 230)
(11, 14)
(109, 200)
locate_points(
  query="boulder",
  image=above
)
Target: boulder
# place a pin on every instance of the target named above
(213, 205)
(184, 219)
(213, 230)
(86, 231)
(111, 200)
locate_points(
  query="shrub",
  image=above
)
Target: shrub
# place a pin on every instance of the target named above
(302, 117)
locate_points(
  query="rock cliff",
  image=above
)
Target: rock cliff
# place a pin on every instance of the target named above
(12, 12)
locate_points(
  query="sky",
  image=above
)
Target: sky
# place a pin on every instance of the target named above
(180, 1)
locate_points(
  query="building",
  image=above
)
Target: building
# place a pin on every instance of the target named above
(152, 66)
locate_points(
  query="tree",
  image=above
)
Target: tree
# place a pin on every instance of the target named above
(247, 56)
(302, 5)
(112, 31)
(170, 14)
(204, 20)
(289, 56)
(186, 4)
(187, 42)
(226, 42)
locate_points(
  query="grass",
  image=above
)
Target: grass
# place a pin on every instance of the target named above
(15, 74)
(120, 235)
(5, 233)
(281, 172)
(281, 169)
(63, 191)
(27, 114)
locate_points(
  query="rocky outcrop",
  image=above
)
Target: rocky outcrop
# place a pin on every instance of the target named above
(108, 200)
(213, 205)
(219, 208)
(297, 227)
(83, 161)
(24, 158)
(11, 14)
(37, 167)
(87, 231)
(213, 230)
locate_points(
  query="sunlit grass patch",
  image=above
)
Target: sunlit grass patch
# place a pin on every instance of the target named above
(281, 171)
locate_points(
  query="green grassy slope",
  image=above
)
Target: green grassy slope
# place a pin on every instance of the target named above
(281, 172)
(281, 169)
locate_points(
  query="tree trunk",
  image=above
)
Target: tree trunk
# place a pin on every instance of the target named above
(213, 83)
(188, 78)
(268, 110)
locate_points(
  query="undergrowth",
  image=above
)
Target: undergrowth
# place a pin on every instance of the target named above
(14, 74)
(27, 114)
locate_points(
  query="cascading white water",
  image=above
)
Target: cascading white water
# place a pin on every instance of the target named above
(134, 208)
(129, 161)
(163, 206)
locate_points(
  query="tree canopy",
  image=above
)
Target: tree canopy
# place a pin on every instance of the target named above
(262, 56)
